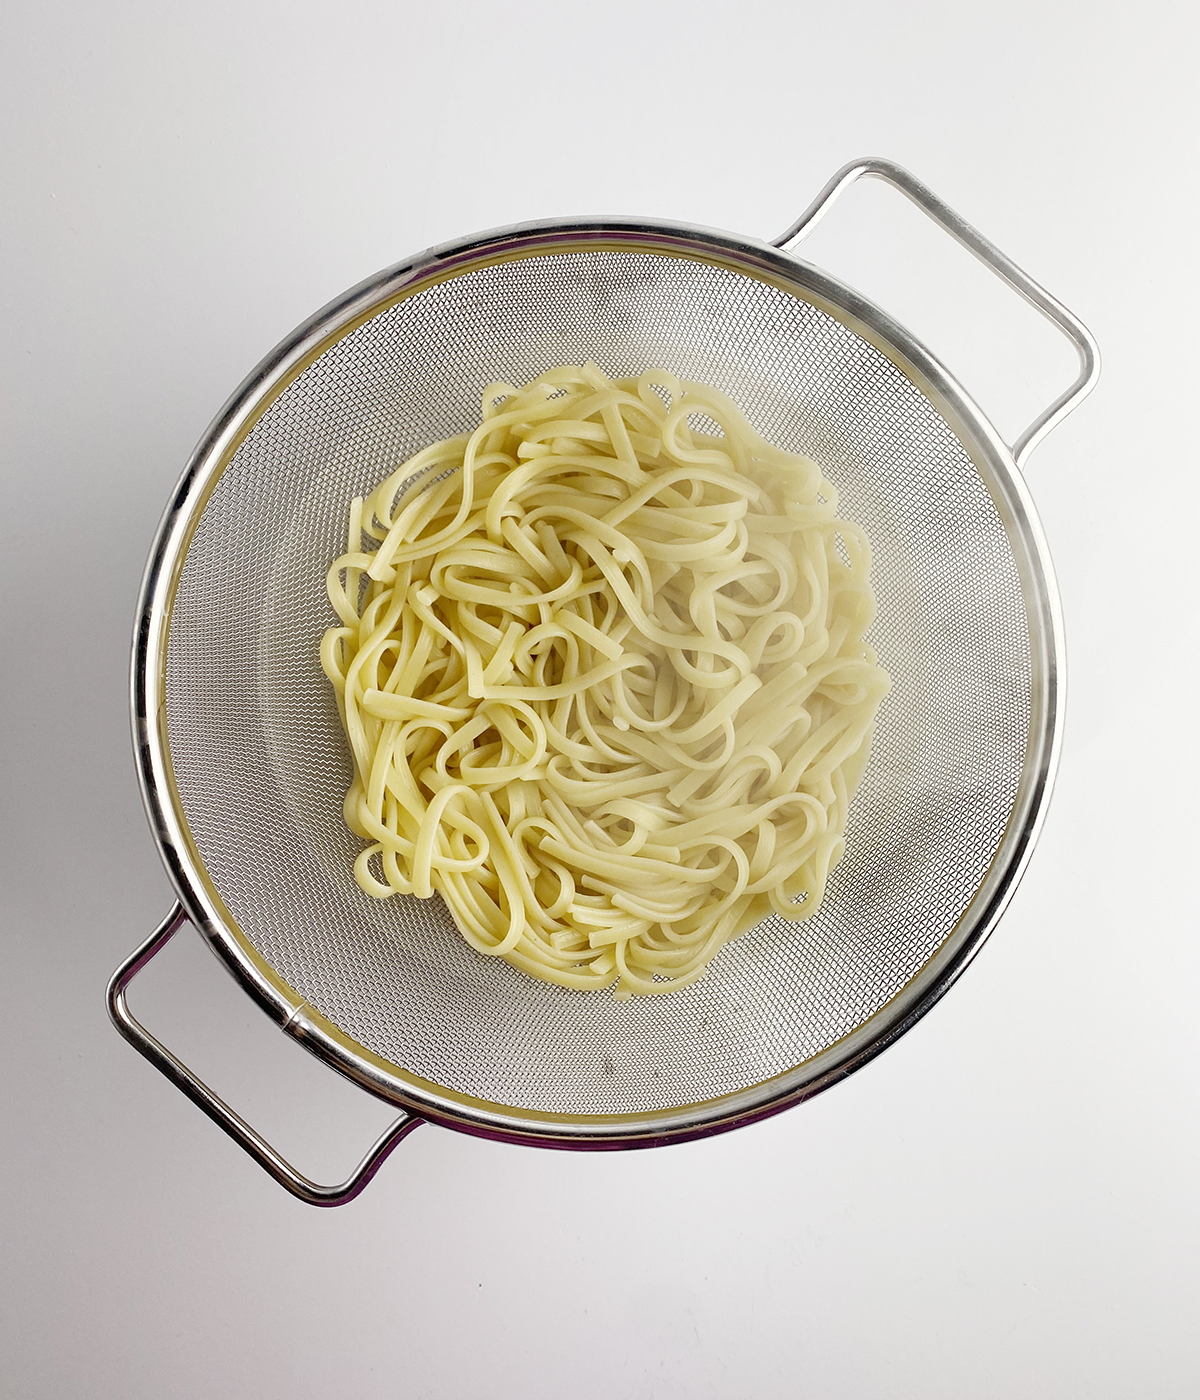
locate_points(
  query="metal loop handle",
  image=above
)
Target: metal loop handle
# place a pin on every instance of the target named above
(219, 1111)
(987, 252)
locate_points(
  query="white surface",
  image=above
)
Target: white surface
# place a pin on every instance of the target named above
(1004, 1204)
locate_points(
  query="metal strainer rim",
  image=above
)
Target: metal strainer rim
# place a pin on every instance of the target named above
(199, 896)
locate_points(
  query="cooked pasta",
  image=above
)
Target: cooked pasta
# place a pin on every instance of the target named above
(601, 668)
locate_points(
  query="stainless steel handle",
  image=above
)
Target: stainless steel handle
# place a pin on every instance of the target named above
(219, 1111)
(941, 213)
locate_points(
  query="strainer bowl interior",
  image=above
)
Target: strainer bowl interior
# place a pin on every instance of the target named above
(246, 767)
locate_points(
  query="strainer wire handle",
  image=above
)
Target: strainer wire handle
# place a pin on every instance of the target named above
(921, 195)
(216, 1108)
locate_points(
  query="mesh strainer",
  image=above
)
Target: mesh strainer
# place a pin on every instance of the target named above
(243, 765)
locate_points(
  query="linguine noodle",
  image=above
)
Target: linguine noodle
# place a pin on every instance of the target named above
(604, 679)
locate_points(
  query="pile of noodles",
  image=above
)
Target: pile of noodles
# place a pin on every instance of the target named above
(604, 679)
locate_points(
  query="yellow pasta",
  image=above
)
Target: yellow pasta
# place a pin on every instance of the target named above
(603, 678)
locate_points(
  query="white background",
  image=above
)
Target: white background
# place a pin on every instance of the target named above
(1005, 1203)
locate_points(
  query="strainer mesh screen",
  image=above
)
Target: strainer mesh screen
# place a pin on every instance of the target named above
(261, 766)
